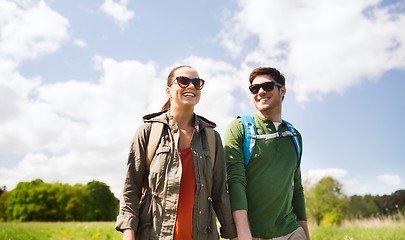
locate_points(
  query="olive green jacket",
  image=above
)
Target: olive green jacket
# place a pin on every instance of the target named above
(154, 215)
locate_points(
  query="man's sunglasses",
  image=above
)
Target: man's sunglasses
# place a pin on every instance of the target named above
(267, 86)
(185, 81)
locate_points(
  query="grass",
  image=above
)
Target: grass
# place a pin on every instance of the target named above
(59, 230)
(386, 228)
(369, 229)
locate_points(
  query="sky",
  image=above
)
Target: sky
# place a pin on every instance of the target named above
(76, 77)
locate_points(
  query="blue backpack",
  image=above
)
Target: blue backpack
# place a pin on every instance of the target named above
(251, 136)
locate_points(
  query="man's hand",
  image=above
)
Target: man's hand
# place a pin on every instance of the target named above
(242, 225)
(304, 226)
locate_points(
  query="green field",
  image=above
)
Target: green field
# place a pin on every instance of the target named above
(105, 230)
(58, 230)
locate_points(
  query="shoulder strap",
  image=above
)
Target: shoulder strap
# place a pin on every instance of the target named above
(250, 137)
(296, 142)
(154, 137)
(209, 132)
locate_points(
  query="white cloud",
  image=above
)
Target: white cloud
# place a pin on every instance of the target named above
(118, 11)
(313, 176)
(318, 44)
(393, 180)
(29, 29)
(80, 43)
(78, 131)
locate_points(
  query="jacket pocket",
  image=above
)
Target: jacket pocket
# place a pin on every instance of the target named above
(160, 159)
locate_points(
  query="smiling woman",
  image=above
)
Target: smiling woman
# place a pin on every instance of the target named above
(172, 188)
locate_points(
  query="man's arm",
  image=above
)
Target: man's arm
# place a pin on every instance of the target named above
(304, 226)
(242, 224)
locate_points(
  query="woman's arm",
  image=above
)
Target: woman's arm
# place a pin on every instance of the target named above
(220, 196)
(128, 217)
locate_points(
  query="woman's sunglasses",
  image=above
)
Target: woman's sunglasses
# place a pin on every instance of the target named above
(183, 82)
(267, 86)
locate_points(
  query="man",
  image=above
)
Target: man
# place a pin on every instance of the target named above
(266, 191)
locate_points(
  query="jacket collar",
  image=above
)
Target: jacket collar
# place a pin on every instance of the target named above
(165, 118)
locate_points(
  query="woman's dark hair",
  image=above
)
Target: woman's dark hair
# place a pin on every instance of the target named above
(169, 81)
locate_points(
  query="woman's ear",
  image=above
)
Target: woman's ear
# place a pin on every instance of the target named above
(168, 93)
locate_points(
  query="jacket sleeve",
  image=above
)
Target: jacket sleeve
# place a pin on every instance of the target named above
(220, 201)
(128, 217)
(298, 201)
(236, 178)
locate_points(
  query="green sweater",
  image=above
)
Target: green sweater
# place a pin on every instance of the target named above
(269, 188)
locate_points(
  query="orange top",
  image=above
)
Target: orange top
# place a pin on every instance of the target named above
(184, 222)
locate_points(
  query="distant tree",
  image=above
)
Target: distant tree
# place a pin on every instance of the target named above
(325, 202)
(3, 189)
(3, 205)
(362, 207)
(391, 204)
(75, 207)
(40, 201)
(99, 201)
(22, 204)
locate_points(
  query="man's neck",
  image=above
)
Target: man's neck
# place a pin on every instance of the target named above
(274, 116)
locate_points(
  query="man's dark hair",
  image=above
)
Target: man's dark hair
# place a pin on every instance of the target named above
(272, 72)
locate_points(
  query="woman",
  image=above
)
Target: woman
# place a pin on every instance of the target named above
(182, 185)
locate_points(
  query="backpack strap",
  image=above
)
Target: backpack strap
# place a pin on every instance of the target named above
(154, 138)
(250, 136)
(209, 132)
(296, 142)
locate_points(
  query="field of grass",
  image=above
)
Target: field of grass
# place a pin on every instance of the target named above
(59, 230)
(354, 230)
(367, 229)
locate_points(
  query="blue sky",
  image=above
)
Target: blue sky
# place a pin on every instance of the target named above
(76, 78)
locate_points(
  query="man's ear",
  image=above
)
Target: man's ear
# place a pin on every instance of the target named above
(283, 91)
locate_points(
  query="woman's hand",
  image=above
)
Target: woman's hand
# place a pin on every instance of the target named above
(129, 234)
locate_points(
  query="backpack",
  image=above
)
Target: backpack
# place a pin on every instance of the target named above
(251, 136)
(154, 137)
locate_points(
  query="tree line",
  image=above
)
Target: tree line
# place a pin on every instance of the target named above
(327, 205)
(40, 201)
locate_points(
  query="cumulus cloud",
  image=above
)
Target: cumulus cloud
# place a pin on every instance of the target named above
(29, 29)
(318, 44)
(313, 176)
(77, 131)
(393, 180)
(79, 43)
(350, 185)
(119, 11)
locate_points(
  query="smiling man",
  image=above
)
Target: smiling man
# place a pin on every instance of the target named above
(263, 154)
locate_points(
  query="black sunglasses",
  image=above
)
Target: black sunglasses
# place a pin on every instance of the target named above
(183, 82)
(267, 86)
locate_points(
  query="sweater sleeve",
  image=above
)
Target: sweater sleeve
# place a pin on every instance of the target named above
(236, 178)
(298, 197)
